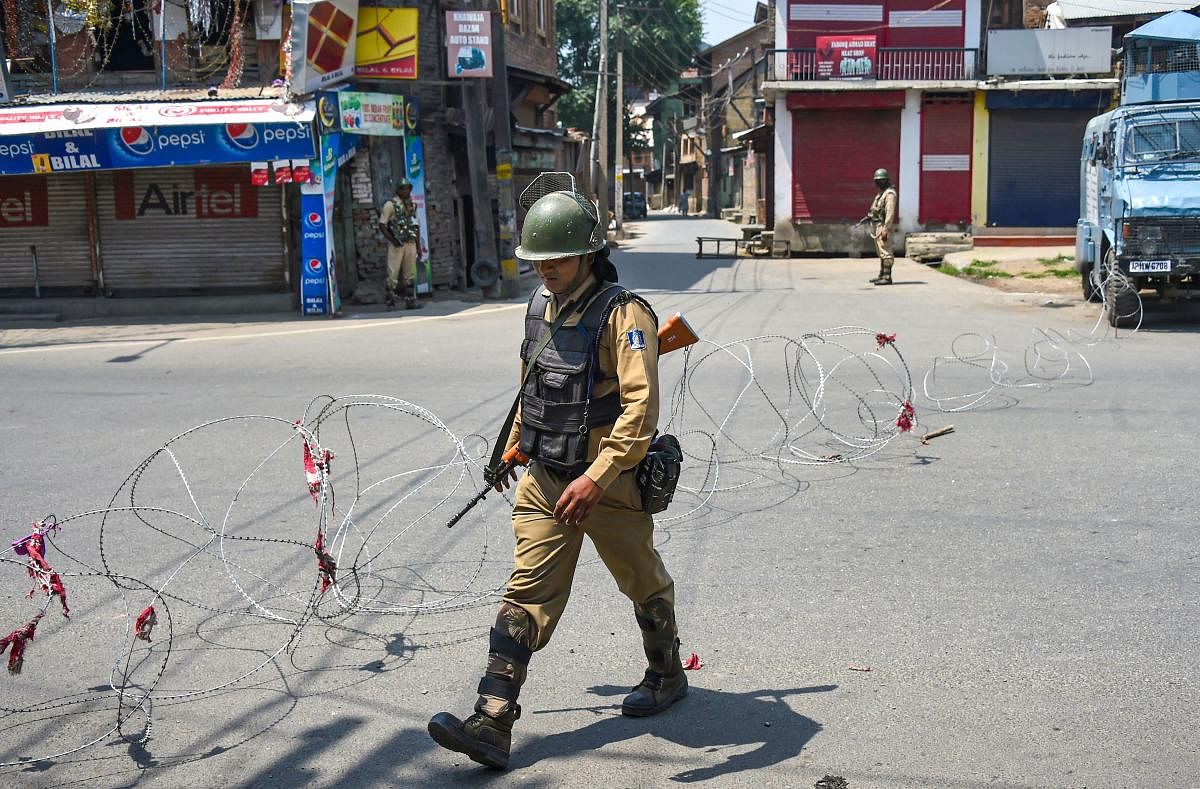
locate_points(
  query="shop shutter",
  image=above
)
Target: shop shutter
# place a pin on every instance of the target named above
(834, 153)
(189, 230)
(1033, 167)
(946, 160)
(50, 212)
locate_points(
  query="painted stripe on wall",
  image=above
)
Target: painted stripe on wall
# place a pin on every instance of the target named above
(925, 19)
(817, 12)
(946, 162)
(979, 173)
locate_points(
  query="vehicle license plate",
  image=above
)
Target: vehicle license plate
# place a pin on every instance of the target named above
(1148, 266)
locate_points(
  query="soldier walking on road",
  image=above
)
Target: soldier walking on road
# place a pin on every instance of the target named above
(589, 406)
(883, 218)
(399, 225)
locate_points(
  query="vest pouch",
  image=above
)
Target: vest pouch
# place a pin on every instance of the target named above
(658, 473)
(555, 380)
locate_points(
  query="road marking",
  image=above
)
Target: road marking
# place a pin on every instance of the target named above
(79, 346)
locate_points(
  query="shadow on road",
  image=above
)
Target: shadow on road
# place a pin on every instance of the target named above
(710, 722)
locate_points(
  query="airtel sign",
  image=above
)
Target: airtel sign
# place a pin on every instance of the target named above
(23, 202)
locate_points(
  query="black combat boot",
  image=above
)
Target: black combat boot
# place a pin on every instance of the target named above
(665, 681)
(486, 736)
(885, 274)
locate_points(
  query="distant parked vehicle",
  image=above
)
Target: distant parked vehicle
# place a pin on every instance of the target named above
(634, 205)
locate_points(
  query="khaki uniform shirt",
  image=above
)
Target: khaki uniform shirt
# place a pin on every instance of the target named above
(390, 209)
(616, 448)
(883, 210)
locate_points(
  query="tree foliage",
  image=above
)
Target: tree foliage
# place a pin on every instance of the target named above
(659, 37)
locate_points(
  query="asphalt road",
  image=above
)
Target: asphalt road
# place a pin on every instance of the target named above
(1023, 590)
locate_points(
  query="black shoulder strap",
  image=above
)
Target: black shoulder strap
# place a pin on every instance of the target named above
(563, 315)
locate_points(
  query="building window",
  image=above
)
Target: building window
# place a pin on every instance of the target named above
(515, 14)
(541, 19)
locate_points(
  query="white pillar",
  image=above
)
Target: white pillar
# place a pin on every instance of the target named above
(910, 161)
(783, 161)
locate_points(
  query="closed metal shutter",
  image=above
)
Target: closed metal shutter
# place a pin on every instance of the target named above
(1033, 167)
(834, 154)
(946, 160)
(49, 212)
(189, 230)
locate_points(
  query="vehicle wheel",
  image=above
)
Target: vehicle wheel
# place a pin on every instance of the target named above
(1122, 306)
(1091, 290)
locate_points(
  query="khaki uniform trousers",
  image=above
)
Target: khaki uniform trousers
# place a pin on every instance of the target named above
(547, 552)
(883, 244)
(402, 261)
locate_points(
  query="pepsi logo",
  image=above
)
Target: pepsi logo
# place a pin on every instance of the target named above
(137, 140)
(313, 219)
(315, 265)
(243, 135)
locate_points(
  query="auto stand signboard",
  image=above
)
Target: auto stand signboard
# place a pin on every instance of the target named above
(469, 43)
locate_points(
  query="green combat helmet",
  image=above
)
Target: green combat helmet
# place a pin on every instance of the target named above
(882, 175)
(561, 222)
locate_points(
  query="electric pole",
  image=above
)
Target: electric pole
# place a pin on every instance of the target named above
(502, 138)
(619, 176)
(600, 123)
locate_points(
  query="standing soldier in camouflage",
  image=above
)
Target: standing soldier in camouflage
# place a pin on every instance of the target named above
(399, 225)
(883, 218)
(588, 411)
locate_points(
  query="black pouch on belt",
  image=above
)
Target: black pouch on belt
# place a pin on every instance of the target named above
(658, 473)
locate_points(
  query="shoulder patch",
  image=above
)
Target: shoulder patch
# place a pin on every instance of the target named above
(637, 340)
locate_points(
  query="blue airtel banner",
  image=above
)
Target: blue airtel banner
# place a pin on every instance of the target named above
(154, 146)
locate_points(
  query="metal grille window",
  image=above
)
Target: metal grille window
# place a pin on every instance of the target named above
(1163, 58)
(1163, 140)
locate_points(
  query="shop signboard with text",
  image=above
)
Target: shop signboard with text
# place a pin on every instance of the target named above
(387, 43)
(153, 146)
(379, 114)
(846, 57)
(469, 43)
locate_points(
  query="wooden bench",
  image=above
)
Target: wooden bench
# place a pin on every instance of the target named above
(715, 244)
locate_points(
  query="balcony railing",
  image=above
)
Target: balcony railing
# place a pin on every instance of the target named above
(891, 63)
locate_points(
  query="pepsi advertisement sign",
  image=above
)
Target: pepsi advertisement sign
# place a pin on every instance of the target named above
(154, 146)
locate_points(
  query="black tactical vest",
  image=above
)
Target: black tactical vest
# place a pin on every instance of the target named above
(557, 407)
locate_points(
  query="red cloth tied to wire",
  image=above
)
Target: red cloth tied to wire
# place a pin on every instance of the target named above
(326, 566)
(145, 623)
(314, 463)
(905, 420)
(882, 339)
(15, 643)
(40, 571)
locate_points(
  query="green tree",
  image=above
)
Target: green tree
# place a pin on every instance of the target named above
(660, 38)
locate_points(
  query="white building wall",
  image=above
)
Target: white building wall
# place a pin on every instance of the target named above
(910, 161)
(971, 34)
(783, 161)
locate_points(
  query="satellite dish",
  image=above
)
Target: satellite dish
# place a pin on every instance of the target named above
(69, 21)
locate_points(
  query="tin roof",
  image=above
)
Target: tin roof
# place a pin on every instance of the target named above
(150, 96)
(1108, 9)
(1175, 26)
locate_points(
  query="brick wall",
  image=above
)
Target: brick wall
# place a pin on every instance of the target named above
(528, 45)
(381, 163)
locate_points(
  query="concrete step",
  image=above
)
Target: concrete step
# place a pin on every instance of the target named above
(1024, 240)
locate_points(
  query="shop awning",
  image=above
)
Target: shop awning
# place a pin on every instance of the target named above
(41, 119)
(43, 139)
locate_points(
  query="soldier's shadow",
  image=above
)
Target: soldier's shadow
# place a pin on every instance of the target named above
(710, 721)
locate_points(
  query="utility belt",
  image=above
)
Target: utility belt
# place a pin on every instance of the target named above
(657, 476)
